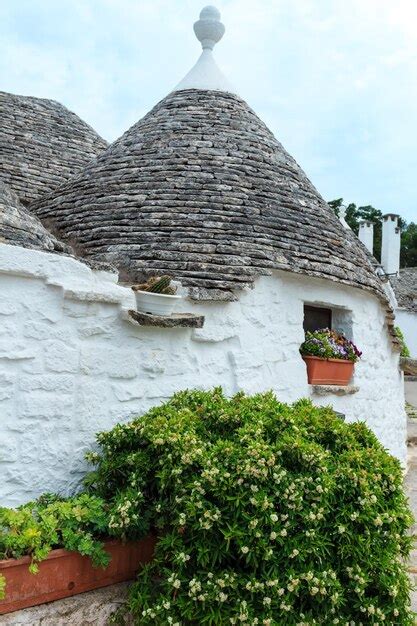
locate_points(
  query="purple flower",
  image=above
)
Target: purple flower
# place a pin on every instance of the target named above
(329, 344)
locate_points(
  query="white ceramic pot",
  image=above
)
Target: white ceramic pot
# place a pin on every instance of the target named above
(155, 303)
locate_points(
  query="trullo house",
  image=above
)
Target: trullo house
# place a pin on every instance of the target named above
(201, 190)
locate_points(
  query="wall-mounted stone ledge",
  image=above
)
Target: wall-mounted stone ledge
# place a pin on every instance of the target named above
(336, 390)
(408, 365)
(176, 320)
(91, 296)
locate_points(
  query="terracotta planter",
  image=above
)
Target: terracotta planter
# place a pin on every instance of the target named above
(65, 574)
(328, 371)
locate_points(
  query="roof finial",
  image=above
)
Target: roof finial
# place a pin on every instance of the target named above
(342, 215)
(209, 29)
(205, 74)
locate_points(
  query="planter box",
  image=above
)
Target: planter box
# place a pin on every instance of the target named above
(65, 574)
(328, 371)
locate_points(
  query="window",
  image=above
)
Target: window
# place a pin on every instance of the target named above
(316, 318)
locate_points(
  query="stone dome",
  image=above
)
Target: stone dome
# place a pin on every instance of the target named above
(202, 190)
(42, 144)
(18, 227)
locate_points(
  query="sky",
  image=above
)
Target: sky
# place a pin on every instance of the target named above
(336, 81)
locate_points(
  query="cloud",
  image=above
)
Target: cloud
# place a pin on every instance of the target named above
(336, 81)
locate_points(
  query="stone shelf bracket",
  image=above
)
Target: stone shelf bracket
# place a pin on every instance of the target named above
(176, 320)
(336, 390)
(408, 365)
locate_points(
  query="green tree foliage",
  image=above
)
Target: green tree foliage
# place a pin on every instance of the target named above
(404, 348)
(266, 513)
(355, 214)
(408, 256)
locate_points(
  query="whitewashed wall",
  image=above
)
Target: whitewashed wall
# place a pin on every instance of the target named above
(407, 321)
(70, 365)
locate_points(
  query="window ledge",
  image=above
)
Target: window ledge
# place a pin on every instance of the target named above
(336, 390)
(176, 320)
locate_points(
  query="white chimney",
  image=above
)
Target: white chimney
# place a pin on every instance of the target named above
(391, 243)
(366, 234)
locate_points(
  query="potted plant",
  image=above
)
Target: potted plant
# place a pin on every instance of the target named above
(330, 357)
(156, 296)
(54, 547)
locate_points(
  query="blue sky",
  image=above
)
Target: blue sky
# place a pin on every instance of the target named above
(336, 81)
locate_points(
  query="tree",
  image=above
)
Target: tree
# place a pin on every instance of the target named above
(354, 215)
(408, 255)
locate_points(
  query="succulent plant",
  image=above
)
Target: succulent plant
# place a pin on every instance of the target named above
(157, 284)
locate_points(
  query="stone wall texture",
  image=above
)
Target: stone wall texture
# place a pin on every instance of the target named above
(72, 365)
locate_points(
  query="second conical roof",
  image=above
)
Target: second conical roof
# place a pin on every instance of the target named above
(201, 189)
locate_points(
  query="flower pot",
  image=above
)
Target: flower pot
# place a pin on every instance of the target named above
(155, 303)
(328, 371)
(64, 573)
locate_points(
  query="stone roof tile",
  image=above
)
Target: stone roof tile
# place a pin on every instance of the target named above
(18, 227)
(200, 188)
(42, 144)
(405, 288)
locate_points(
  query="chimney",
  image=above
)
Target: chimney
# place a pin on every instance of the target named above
(366, 234)
(391, 242)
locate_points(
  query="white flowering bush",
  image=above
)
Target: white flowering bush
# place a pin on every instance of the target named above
(266, 514)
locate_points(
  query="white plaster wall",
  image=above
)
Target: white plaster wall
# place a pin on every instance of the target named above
(70, 365)
(407, 321)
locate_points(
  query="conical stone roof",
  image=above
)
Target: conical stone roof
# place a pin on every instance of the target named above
(405, 288)
(202, 190)
(18, 227)
(42, 144)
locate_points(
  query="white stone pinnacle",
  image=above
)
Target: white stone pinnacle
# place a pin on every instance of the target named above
(205, 74)
(342, 217)
(209, 29)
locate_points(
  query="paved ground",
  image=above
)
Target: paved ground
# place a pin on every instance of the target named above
(85, 609)
(411, 487)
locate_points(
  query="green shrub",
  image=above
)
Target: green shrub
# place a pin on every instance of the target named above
(404, 348)
(266, 514)
(36, 528)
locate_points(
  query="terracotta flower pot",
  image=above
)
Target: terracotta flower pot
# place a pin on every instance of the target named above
(64, 573)
(328, 371)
